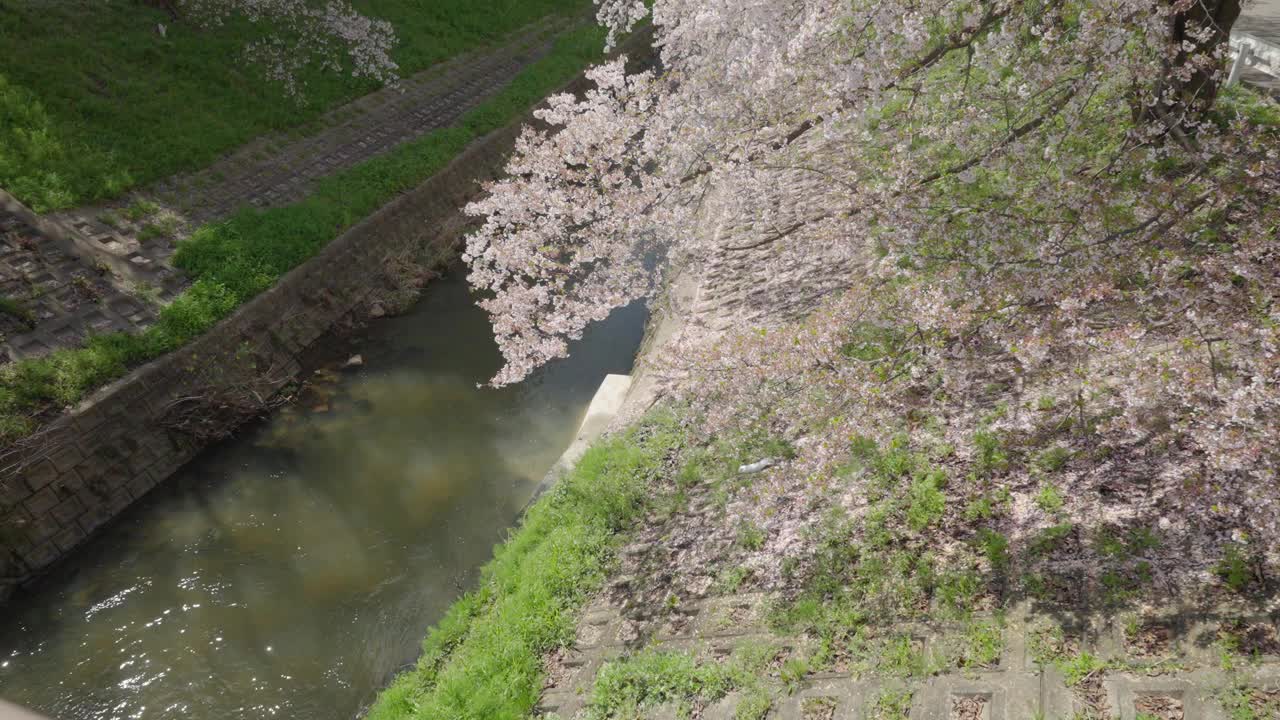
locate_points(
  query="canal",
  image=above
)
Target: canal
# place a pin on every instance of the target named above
(291, 570)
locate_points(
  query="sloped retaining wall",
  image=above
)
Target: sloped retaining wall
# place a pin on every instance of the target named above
(89, 465)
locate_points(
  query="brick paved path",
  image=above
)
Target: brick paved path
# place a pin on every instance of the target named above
(1181, 680)
(61, 297)
(122, 249)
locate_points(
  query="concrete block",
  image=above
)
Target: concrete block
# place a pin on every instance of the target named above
(141, 485)
(41, 528)
(92, 418)
(68, 510)
(12, 492)
(69, 538)
(841, 698)
(39, 475)
(65, 457)
(42, 556)
(42, 502)
(1194, 697)
(1003, 695)
(95, 517)
(118, 501)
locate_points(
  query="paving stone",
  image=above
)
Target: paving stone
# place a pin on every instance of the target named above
(12, 492)
(42, 502)
(42, 555)
(68, 510)
(725, 708)
(842, 698)
(1013, 690)
(69, 537)
(1195, 697)
(1007, 696)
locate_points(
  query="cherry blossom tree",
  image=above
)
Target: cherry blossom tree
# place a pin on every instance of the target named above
(305, 32)
(925, 208)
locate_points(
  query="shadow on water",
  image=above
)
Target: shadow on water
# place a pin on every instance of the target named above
(289, 571)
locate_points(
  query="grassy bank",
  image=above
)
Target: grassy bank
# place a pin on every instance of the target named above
(93, 100)
(484, 659)
(232, 261)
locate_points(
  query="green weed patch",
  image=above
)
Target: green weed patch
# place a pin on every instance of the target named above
(624, 688)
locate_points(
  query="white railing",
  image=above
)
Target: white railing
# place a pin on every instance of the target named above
(1253, 52)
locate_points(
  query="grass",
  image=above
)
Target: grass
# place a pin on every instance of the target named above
(1245, 703)
(750, 536)
(1235, 569)
(1075, 669)
(977, 647)
(483, 661)
(17, 311)
(232, 261)
(868, 576)
(1050, 499)
(94, 101)
(624, 688)
(892, 705)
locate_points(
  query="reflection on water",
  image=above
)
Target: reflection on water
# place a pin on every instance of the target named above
(292, 569)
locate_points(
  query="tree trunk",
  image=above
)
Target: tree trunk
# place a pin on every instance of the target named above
(1195, 95)
(169, 6)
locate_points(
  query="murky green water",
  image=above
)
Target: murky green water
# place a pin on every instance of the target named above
(292, 570)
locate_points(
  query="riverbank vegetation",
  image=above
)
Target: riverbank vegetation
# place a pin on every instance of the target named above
(232, 261)
(1050, 221)
(95, 100)
(485, 658)
(1001, 275)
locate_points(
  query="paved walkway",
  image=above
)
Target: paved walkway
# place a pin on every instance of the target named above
(1261, 20)
(107, 268)
(1172, 669)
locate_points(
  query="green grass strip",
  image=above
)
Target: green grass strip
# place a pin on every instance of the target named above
(94, 101)
(483, 661)
(232, 261)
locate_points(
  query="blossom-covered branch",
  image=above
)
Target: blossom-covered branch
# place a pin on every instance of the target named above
(1049, 197)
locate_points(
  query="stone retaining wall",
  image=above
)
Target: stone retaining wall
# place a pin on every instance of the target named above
(82, 470)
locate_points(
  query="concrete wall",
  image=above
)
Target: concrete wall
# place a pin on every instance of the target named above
(83, 469)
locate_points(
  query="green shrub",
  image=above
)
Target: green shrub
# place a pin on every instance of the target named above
(995, 546)
(16, 310)
(1235, 569)
(651, 678)
(1047, 539)
(927, 503)
(1078, 668)
(1053, 459)
(750, 536)
(140, 209)
(1049, 498)
(991, 456)
(36, 162)
(892, 705)
(754, 705)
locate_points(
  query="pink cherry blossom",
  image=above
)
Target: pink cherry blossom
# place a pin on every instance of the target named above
(1037, 219)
